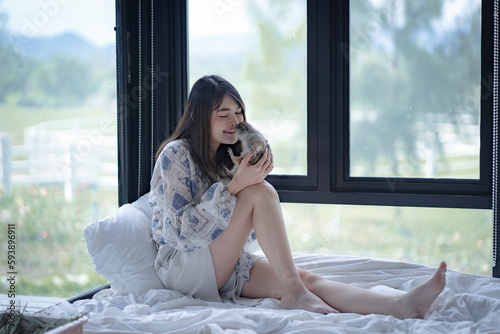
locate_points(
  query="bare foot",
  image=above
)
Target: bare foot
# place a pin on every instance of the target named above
(305, 300)
(419, 299)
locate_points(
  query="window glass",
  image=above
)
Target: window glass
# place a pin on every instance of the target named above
(260, 47)
(461, 237)
(58, 138)
(415, 75)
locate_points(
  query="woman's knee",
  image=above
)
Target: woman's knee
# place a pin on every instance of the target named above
(263, 191)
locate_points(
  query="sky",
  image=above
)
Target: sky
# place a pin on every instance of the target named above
(95, 19)
(208, 18)
(92, 19)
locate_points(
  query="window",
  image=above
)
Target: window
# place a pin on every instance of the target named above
(343, 166)
(415, 89)
(261, 56)
(58, 134)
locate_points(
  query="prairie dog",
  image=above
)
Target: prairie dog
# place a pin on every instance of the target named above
(251, 140)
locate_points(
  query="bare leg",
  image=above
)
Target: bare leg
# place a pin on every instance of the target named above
(347, 298)
(258, 207)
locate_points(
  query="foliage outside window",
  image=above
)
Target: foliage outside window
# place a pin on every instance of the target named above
(415, 73)
(461, 237)
(260, 47)
(58, 134)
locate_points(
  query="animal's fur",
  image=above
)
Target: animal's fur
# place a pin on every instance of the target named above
(251, 141)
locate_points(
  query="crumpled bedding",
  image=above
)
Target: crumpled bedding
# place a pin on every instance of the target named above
(468, 304)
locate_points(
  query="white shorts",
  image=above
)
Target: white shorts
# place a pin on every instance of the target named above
(193, 273)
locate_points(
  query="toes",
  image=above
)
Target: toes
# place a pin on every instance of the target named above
(440, 275)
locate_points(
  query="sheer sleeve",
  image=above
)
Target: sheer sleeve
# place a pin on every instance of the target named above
(186, 214)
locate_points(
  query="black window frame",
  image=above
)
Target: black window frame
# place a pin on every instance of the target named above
(152, 58)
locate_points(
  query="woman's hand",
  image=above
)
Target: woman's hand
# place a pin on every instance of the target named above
(248, 175)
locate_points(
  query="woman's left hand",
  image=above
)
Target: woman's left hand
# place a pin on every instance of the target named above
(269, 162)
(265, 164)
(248, 175)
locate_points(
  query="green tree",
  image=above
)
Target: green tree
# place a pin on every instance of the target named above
(59, 81)
(271, 66)
(54, 82)
(12, 74)
(275, 75)
(412, 74)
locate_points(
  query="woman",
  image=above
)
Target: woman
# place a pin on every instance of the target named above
(202, 221)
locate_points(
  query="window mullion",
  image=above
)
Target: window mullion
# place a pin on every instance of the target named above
(324, 148)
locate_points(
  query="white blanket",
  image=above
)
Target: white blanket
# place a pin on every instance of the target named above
(468, 304)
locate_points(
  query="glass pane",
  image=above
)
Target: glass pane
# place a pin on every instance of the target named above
(260, 47)
(461, 237)
(58, 138)
(415, 70)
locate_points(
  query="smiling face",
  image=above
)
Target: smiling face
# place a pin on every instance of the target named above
(223, 121)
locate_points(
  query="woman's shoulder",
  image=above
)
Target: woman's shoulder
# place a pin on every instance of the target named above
(175, 152)
(178, 147)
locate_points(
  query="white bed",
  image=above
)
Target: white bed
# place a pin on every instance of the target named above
(136, 303)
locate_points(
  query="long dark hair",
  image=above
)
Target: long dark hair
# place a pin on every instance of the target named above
(206, 95)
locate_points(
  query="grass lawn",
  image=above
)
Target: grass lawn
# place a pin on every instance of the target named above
(14, 119)
(461, 237)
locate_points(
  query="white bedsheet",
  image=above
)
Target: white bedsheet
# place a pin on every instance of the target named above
(468, 304)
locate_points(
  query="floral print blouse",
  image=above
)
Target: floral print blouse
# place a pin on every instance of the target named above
(188, 213)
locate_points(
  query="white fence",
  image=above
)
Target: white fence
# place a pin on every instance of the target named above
(74, 153)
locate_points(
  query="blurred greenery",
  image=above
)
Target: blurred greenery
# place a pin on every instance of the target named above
(461, 237)
(271, 74)
(415, 71)
(51, 254)
(59, 81)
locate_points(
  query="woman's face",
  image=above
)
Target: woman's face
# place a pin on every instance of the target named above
(223, 121)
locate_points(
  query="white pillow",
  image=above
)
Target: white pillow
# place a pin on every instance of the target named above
(123, 250)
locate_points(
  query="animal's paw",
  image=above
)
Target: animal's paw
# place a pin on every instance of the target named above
(231, 172)
(231, 154)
